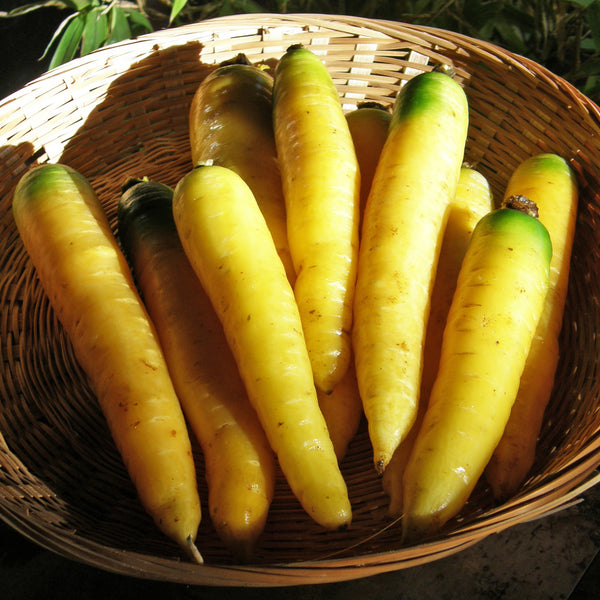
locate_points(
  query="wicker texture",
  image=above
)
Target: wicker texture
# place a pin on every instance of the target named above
(122, 111)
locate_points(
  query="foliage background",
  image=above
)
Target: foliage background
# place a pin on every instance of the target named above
(563, 35)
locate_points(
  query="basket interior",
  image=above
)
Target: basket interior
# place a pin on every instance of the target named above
(122, 112)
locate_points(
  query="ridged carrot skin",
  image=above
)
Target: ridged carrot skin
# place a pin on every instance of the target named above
(548, 180)
(227, 242)
(402, 231)
(321, 184)
(85, 275)
(239, 463)
(369, 125)
(472, 201)
(230, 124)
(497, 304)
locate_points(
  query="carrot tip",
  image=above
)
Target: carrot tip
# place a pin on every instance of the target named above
(193, 551)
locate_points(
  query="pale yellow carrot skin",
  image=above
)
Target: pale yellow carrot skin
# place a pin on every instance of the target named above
(90, 287)
(321, 184)
(227, 242)
(239, 463)
(548, 180)
(402, 230)
(231, 125)
(369, 125)
(497, 304)
(342, 409)
(472, 201)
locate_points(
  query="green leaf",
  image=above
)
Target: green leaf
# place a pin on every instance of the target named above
(80, 5)
(118, 26)
(27, 8)
(177, 7)
(137, 18)
(69, 40)
(592, 15)
(584, 3)
(95, 31)
(510, 35)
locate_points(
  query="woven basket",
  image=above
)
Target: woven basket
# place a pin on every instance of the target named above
(122, 111)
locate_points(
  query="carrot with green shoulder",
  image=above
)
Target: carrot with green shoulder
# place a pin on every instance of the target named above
(402, 232)
(88, 282)
(495, 310)
(548, 180)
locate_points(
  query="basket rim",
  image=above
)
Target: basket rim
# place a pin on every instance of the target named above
(533, 504)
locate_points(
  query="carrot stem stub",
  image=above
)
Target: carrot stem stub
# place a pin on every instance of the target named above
(495, 310)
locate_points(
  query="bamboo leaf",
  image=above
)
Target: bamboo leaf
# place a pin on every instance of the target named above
(177, 7)
(138, 19)
(592, 15)
(27, 8)
(69, 41)
(118, 26)
(95, 30)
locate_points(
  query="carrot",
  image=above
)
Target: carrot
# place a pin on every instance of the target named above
(239, 463)
(343, 412)
(548, 180)
(402, 229)
(230, 124)
(497, 304)
(228, 244)
(87, 280)
(321, 184)
(368, 125)
(472, 201)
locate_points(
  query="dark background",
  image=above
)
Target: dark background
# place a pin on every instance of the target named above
(29, 571)
(22, 43)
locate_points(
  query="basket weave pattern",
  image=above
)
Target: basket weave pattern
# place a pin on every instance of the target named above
(122, 111)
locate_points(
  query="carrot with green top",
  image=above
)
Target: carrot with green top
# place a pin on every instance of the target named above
(548, 180)
(472, 201)
(321, 185)
(229, 246)
(86, 277)
(495, 310)
(239, 463)
(402, 230)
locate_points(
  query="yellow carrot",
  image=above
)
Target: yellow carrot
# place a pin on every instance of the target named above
(472, 201)
(87, 280)
(228, 244)
(239, 463)
(343, 411)
(230, 124)
(548, 180)
(497, 304)
(402, 230)
(369, 125)
(321, 184)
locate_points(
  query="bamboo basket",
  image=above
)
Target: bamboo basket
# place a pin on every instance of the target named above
(122, 111)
